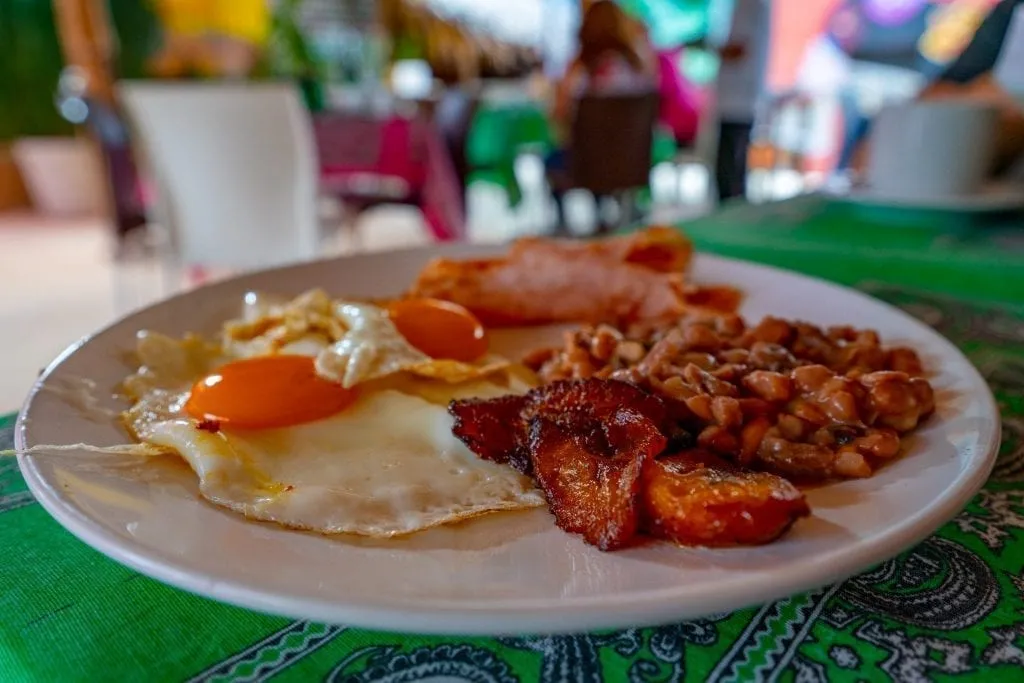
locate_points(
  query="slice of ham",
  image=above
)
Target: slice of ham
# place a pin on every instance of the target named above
(617, 281)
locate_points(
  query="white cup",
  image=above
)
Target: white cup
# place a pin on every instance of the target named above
(932, 149)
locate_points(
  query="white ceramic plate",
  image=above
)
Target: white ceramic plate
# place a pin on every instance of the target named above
(995, 196)
(508, 572)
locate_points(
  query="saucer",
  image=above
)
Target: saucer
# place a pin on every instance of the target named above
(995, 196)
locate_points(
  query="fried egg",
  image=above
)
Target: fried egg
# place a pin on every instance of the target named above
(273, 437)
(385, 466)
(356, 342)
(374, 347)
(304, 325)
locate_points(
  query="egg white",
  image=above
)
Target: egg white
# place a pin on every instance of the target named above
(387, 465)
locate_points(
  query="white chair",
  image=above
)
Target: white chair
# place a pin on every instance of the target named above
(235, 170)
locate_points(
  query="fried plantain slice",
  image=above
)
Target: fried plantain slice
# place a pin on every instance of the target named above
(696, 498)
(496, 429)
(566, 402)
(591, 493)
(493, 429)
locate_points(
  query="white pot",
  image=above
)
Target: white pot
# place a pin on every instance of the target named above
(64, 176)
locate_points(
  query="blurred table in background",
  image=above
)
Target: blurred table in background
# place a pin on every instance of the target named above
(981, 256)
(368, 159)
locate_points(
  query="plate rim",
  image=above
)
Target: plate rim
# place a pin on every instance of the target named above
(426, 616)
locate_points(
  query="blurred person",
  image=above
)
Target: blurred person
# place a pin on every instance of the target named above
(970, 77)
(741, 83)
(642, 42)
(610, 60)
(680, 101)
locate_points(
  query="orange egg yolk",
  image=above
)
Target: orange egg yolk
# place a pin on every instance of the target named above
(267, 392)
(439, 329)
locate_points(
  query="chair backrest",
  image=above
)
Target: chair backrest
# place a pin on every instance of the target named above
(612, 137)
(235, 168)
(364, 144)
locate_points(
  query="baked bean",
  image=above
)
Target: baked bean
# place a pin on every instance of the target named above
(631, 375)
(840, 406)
(849, 462)
(896, 400)
(757, 407)
(792, 427)
(808, 412)
(735, 356)
(750, 438)
(767, 356)
(726, 412)
(842, 333)
(924, 393)
(810, 378)
(701, 405)
(704, 361)
(702, 380)
(791, 458)
(905, 360)
(772, 330)
(718, 439)
(673, 387)
(771, 386)
(604, 342)
(880, 443)
(630, 352)
(729, 325)
(701, 338)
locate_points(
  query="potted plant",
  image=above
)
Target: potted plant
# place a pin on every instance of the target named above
(291, 54)
(61, 171)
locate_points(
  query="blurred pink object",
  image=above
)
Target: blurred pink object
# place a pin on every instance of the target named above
(681, 100)
(366, 161)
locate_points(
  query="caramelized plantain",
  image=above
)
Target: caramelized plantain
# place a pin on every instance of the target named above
(493, 429)
(696, 498)
(591, 493)
(566, 402)
(496, 429)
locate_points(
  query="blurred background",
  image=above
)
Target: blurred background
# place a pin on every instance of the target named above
(151, 145)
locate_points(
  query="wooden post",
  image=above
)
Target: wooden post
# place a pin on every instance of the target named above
(87, 42)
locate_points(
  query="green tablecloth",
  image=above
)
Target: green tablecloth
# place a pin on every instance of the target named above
(979, 256)
(950, 609)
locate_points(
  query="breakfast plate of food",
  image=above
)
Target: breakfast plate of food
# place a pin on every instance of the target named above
(541, 437)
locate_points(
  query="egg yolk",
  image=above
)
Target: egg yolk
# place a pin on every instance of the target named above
(267, 392)
(439, 329)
